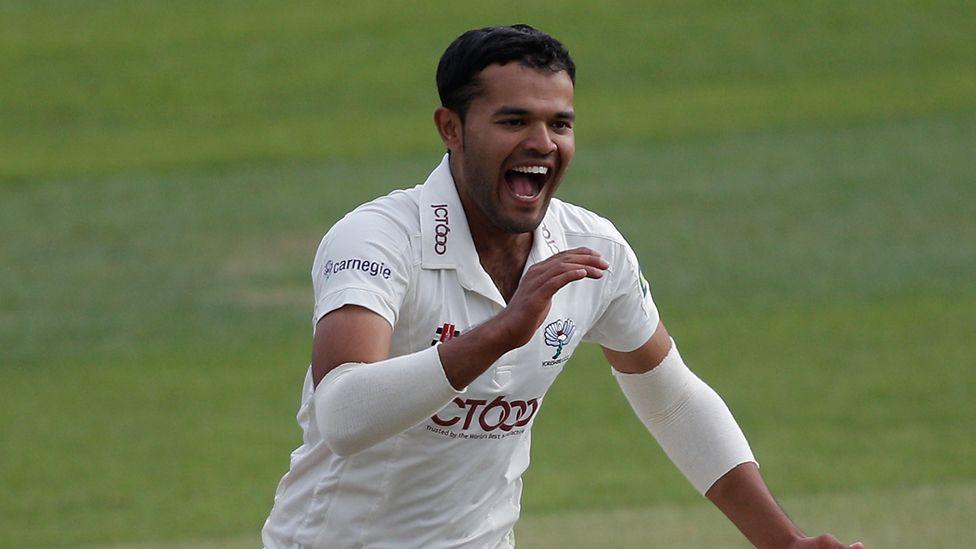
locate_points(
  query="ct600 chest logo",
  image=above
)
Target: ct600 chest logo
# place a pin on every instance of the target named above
(441, 229)
(499, 413)
(558, 333)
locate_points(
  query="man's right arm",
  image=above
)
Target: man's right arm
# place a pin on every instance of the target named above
(363, 397)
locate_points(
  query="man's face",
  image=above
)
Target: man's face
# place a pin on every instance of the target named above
(516, 143)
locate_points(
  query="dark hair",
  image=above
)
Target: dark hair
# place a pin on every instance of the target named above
(470, 53)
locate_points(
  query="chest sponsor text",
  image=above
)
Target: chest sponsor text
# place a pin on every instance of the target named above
(498, 414)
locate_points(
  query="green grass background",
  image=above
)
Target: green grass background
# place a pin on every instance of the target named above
(799, 180)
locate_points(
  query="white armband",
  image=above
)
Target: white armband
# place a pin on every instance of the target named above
(688, 419)
(359, 405)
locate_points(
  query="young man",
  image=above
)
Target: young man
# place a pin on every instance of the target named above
(443, 314)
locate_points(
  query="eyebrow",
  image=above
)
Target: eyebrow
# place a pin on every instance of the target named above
(518, 111)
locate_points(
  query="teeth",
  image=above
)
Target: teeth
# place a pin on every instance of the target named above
(531, 169)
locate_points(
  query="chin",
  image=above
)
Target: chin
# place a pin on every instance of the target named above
(519, 226)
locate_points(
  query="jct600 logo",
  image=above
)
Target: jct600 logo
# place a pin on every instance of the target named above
(497, 414)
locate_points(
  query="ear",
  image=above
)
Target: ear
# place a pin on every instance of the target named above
(449, 127)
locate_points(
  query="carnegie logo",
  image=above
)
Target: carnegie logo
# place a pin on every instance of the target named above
(441, 229)
(372, 268)
(499, 413)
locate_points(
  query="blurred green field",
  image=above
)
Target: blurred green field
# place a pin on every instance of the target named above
(923, 516)
(798, 180)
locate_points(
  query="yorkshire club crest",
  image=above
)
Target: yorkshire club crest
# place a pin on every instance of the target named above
(558, 333)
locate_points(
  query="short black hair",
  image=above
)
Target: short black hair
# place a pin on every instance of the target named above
(470, 53)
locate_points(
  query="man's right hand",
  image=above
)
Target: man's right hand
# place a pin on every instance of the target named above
(466, 357)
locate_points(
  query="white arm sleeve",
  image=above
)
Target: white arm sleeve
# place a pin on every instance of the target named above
(358, 405)
(688, 419)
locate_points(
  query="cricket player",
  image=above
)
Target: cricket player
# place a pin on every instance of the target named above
(444, 312)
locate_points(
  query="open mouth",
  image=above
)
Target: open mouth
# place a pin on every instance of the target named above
(527, 182)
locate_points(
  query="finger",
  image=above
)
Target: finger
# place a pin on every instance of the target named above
(827, 540)
(595, 260)
(857, 545)
(574, 252)
(557, 282)
(591, 271)
(558, 269)
(572, 259)
(580, 250)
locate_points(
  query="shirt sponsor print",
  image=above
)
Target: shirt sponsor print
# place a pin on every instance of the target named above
(444, 333)
(557, 334)
(550, 241)
(478, 418)
(441, 229)
(372, 268)
(645, 287)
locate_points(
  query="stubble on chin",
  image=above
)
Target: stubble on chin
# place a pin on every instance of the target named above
(519, 226)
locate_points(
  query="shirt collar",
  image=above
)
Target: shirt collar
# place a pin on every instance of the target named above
(446, 237)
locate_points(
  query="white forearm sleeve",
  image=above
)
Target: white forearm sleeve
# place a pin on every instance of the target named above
(358, 405)
(688, 419)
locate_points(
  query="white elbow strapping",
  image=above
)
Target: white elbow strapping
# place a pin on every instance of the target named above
(358, 405)
(688, 419)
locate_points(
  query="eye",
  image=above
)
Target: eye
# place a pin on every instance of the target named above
(562, 125)
(514, 122)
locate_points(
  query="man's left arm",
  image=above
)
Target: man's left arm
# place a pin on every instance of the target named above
(697, 431)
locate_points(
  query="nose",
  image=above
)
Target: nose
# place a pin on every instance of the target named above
(540, 140)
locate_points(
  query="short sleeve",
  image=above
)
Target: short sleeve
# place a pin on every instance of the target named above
(363, 260)
(630, 316)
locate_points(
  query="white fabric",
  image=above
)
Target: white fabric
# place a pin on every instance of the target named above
(454, 479)
(358, 405)
(688, 419)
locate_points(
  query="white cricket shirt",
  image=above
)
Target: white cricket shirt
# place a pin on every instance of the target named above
(454, 480)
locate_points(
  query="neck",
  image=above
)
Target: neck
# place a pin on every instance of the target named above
(495, 246)
(502, 255)
(492, 242)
